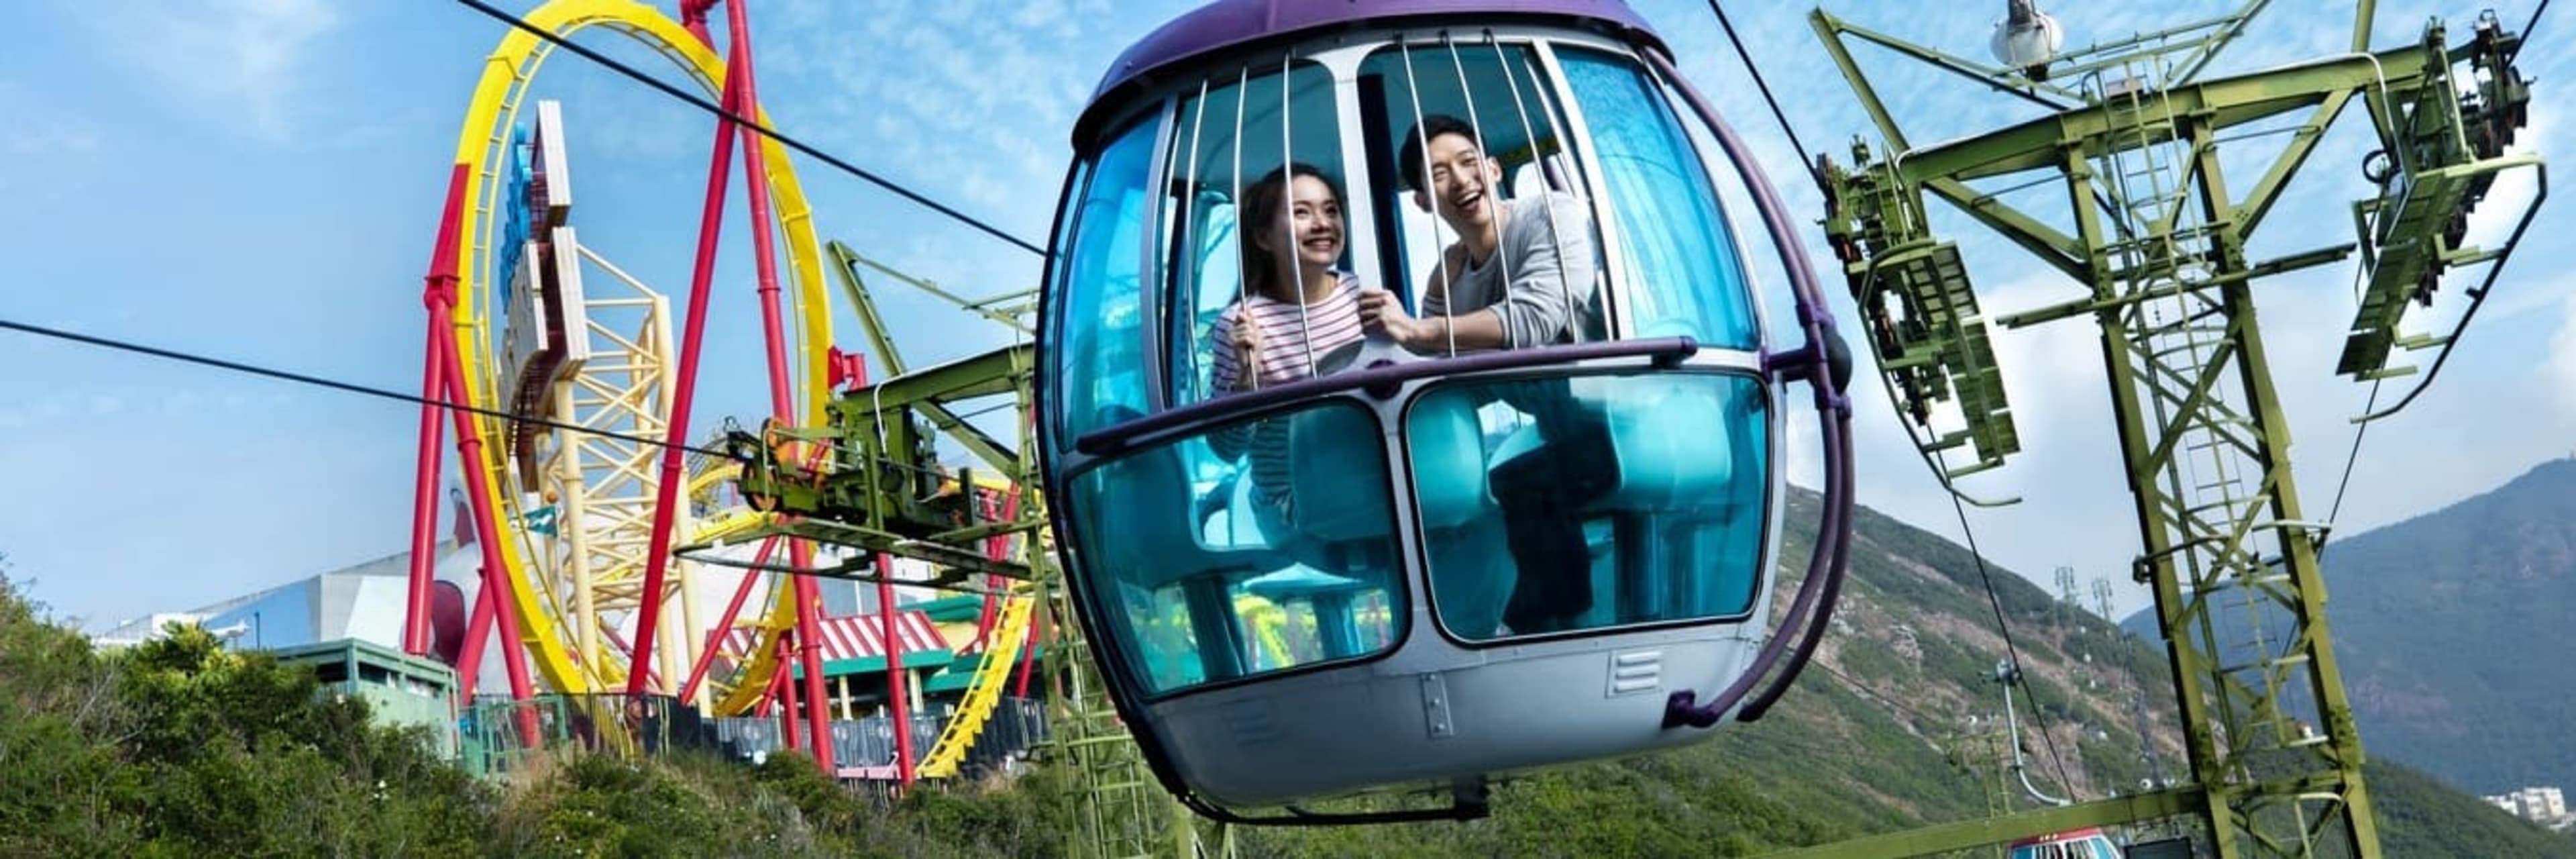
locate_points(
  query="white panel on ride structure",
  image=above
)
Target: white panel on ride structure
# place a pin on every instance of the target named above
(569, 301)
(552, 166)
(524, 331)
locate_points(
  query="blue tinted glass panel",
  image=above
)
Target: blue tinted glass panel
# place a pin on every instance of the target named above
(1516, 116)
(1224, 145)
(1100, 348)
(1288, 559)
(1588, 502)
(1679, 252)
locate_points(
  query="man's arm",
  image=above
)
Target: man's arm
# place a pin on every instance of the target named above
(1473, 330)
(1550, 270)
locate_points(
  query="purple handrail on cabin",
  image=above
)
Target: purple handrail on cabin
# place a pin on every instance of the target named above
(1822, 587)
(1117, 437)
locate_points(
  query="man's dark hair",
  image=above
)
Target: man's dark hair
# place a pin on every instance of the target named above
(1409, 159)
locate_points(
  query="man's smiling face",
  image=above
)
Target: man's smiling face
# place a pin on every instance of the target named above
(1462, 182)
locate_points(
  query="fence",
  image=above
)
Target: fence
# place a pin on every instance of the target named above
(497, 735)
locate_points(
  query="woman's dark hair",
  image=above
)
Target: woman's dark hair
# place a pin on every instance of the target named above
(1263, 205)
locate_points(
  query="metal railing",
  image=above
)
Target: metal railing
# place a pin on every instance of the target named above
(492, 742)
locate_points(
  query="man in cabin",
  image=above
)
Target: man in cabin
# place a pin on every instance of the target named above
(1523, 267)
(1520, 274)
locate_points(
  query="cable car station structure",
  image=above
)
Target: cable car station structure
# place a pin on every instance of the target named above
(1365, 641)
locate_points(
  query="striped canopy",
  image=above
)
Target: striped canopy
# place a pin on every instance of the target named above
(860, 637)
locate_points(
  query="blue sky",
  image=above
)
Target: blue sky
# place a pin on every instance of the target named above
(259, 180)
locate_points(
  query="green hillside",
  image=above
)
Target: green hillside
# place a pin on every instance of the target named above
(1895, 727)
(1886, 735)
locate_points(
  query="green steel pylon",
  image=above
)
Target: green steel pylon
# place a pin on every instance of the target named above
(2160, 240)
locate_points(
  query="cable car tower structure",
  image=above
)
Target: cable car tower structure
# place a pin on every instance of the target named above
(2159, 239)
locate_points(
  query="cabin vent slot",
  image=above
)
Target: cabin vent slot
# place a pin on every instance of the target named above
(1636, 671)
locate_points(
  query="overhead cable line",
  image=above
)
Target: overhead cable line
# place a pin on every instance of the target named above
(1865, 691)
(1807, 162)
(351, 387)
(1804, 162)
(746, 122)
(2527, 27)
(1996, 602)
(2037, 713)
(2334, 511)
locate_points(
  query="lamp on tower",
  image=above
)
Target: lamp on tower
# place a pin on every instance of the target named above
(2027, 39)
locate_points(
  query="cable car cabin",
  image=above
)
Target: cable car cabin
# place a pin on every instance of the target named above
(1385, 459)
(2077, 844)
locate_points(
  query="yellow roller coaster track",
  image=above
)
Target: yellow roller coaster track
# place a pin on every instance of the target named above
(983, 692)
(488, 120)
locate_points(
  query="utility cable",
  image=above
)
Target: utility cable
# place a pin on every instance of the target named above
(350, 387)
(1804, 161)
(2361, 275)
(1865, 691)
(2334, 510)
(746, 122)
(2526, 30)
(1996, 602)
(2012, 650)
(2349, 458)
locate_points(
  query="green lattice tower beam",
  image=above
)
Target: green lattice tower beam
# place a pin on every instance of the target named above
(2160, 240)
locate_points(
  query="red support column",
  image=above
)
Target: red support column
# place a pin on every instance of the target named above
(424, 500)
(894, 669)
(667, 494)
(469, 657)
(487, 531)
(744, 80)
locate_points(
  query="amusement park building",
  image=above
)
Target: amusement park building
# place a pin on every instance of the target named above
(364, 603)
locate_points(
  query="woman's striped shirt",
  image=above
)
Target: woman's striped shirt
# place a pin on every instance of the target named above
(1291, 338)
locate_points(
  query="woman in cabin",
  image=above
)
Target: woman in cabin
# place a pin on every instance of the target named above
(1294, 308)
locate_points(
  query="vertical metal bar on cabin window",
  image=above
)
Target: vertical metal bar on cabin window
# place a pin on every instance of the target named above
(1359, 203)
(1148, 300)
(1250, 376)
(1185, 283)
(1576, 186)
(1574, 293)
(1413, 94)
(1485, 153)
(1286, 256)
(1617, 278)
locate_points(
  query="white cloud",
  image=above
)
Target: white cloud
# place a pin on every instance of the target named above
(2514, 190)
(46, 140)
(244, 59)
(47, 149)
(2558, 369)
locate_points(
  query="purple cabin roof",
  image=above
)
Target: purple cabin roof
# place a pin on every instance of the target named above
(1227, 24)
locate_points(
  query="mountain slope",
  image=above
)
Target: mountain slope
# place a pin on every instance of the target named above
(2453, 632)
(1897, 726)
